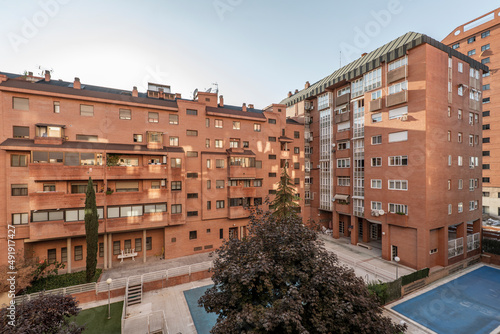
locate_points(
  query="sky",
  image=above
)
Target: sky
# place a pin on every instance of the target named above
(255, 50)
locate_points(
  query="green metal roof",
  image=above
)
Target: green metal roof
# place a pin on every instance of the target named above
(386, 53)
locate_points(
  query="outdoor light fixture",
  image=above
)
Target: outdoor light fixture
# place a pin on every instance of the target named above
(397, 259)
(109, 280)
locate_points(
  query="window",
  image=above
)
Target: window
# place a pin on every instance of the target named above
(271, 139)
(460, 137)
(155, 184)
(219, 184)
(219, 143)
(296, 165)
(343, 181)
(209, 163)
(399, 87)
(377, 140)
(398, 184)
(486, 113)
(155, 208)
(125, 114)
(19, 103)
(271, 121)
(256, 127)
(398, 208)
(486, 153)
(49, 187)
(272, 174)
(21, 132)
(344, 163)
(376, 184)
(192, 213)
(459, 113)
(486, 180)
(192, 112)
(471, 40)
(235, 143)
(87, 138)
(272, 157)
(485, 47)
(193, 133)
(460, 160)
(296, 150)
(258, 164)
(486, 126)
(219, 204)
(19, 190)
(449, 111)
(398, 136)
(209, 184)
(18, 160)
(486, 100)
(127, 186)
(174, 141)
(257, 183)
(372, 79)
(86, 110)
(486, 166)
(343, 145)
(376, 162)
(471, 52)
(176, 185)
(236, 125)
(137, 138)
(460, 207)
(218, 123)
(192, 154)
(460, 90)
(116, 247)
(376, 117)
(485, 60)
(209, 205)
(219, 163)
(246, 144)
(149, 243)
(449, 209)
(193, 235)
(155, 137)
(377, 95)
(173, 119)
(79, 252)
(127, 244)
(376, 205)
(175, 162)
(460, 67)
(64, 253)
(176, 208)
(296, 134)
(57, 107)
(153, 117)
(138, 245)
(192, 175)
(486, 87)
(20, 219)
(456, 46)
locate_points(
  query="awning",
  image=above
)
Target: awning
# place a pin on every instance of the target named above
(55, 125)
(284, 139)
(340, 197)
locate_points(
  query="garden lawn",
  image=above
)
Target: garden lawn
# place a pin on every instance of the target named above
(96, 319)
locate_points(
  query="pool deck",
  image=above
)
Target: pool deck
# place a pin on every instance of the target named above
(413, 326)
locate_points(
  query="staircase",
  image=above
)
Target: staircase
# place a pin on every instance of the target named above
(134, 290)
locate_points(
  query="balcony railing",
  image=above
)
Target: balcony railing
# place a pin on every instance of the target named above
(397, 98)
(473, 242)
(342, 117)
(375, 105)
(455, 247)
(397, 74)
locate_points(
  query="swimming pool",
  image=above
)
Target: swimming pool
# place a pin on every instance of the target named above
(203, 321)
(468, 304)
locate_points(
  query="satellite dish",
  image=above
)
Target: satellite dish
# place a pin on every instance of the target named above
(209, 90)
(195, 94)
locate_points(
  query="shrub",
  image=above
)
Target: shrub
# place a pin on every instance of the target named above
(60, 281)
(491, 246)
(419, 274)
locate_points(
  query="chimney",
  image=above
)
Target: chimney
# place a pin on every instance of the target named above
(135, 92)
(76, 84)
(47, 75)
(221, 101)
(177, 95)
(364, 54)
(3, 78)
(307, 84)
(244, 107)
(250, 106)
(290, 94)
(296, 91)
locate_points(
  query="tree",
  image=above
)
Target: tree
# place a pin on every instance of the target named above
(25, 269)
(284, 202)
(91, 230)
(44, 314)
(280, 279)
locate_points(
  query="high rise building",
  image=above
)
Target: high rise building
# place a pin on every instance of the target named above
(172, 176)
(480, 40)
(393, 146)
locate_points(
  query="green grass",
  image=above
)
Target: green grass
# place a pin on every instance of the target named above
(96, 319)
(60, 281)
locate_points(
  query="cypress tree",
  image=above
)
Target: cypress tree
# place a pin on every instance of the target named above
(283, 204)
(91, 230)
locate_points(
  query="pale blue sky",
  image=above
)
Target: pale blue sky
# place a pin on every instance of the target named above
(256, 50)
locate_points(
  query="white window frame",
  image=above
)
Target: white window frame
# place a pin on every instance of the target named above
(398, 185)
(376, 184)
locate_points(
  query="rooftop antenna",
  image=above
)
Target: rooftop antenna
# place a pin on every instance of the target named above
(42, 70)
(216, 87)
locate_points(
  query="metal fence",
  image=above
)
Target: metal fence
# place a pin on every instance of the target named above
(154, 322)
(119, 283)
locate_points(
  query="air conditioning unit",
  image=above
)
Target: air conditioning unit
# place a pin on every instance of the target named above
(404, 118)
(318, 166)
(308, 170)
(381, 212)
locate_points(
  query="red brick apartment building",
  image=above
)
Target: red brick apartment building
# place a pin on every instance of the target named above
(173, 176)
(393, 151)
(480, 40)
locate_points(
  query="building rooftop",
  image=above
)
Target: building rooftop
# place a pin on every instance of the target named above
(386, 53)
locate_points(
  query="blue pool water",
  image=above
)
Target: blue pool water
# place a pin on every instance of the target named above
(466, 305)
(203, 321)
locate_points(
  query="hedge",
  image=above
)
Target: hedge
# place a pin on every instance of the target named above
(386, 292)
(491, 246)
(415, 276)
(60, 281)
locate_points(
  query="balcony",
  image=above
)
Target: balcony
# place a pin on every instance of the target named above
(346, 134)
(147, 221)
(59, 229)
(240, 192)
(58, 199)
(241, 172)
(375, 105)
(285, 154)
(136, 172)
(343, 99)
(343, 208)
(397, 74)
(397, 219)
(137, 197)
(342, 117)
(237, 212)
(397, 98)
(57, 171)
(48, 140)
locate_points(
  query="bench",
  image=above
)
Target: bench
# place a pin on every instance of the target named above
(364, 246)
(127, 253)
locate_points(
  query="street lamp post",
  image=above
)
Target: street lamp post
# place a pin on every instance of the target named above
(109, 280)
(397, 259)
